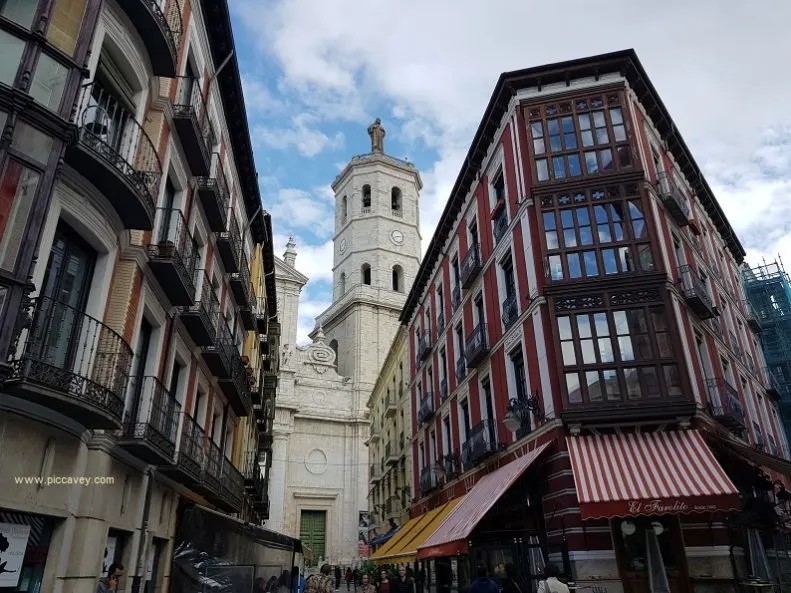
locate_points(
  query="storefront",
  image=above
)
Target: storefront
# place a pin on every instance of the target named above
(219, 553)
(24, 548)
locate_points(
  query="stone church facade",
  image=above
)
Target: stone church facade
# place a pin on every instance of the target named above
(319, 475)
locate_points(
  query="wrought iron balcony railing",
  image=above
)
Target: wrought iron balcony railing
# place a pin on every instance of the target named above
(212, 470)
(229, 246)
(160, 27)
(151, 423)
(74, 364)
(450, 466)
(470, 265)
(673, 199)
(480, 443)
(428, 480)
(500, 225)
(724, 404)
(455, 297)
(423, 346)
(202, 318)
(443, 389)
(240, 281)
(427, 409)
(476, 345)
(116, 154)
(441, 321)
(190, 456)
(174, 257)
(734, 342)
(193, 124)
(214, 195)
(233, 487)
(695, 293)
(461, 368)
(510, 310)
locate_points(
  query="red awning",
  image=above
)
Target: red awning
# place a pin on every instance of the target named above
(652, 473)
(450, 538)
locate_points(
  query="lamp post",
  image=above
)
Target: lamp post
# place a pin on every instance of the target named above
(519, 409)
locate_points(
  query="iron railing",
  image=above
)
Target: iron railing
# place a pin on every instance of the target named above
(461, 368)
(480, 443)
(428, 480)
(673, 198)
(426, 411)
(423, 346)
(510, 310)
(450, 466)
(455, 297)
(190, 103)
(153, 416)
(217, 184)
(470, 265)
(233, 483)
(175, 243)
(207, 305)
(109, 130)
(695, 292)
(441, 321)
(500, 225)
(169, 21)
(724, 402)
(212, 471)
(243, 275)
(476, 345)
(443, 389)
(191, 453)
(75, 354)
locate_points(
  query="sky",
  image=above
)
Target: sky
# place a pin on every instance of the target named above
(317, 72)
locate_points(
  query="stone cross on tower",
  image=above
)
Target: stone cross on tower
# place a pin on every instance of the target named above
(377, 134)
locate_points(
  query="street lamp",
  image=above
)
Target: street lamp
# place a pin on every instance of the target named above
(518, 410)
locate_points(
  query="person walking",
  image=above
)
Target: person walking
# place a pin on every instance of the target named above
(365, 584)
(550, 583)
(337, 578)
(109, 584)
(384, 582)
(403, 583)
(320, 583)
(483, 584)
(348, 578)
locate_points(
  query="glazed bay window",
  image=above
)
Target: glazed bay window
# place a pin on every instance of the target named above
(571, 139)
(596, 233)
(622, 355)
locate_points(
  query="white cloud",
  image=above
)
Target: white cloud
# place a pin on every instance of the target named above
(259, 99)
(718, 65)
(304, 136)
(296, 209)
(315, 261)
(309, 309)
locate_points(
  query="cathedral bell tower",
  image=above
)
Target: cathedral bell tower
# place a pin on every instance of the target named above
(376, 258)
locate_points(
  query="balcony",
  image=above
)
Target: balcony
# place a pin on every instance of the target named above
(423, 347)
(480, 444)
(724, 404)
(455, 298)
(470, 265)
(72, 364)
(376, 475)
(734, 343)
(214, 195)
(758, 443)
(229, 245)
(217, 355)
(753, 319)
(233, 488)
(188, 466)
(212, 486)
(440, 323)
(173, 257)
(773, 384)
(427, 409)
(240, 285)
(695, 293)
(476, 346)
(500, 226)
(201, 318)
(391, 455)
(116, 155)
(428, 480)
(375, 435)
(192, 123)
(443, 390)
(159, 29)
(461, 369)
(236, 385)
(391, 406)
(673, 199)
(448, 467)
(151, 425)
(510, 311)
(772, 445)
(253, 476)
(261, 324)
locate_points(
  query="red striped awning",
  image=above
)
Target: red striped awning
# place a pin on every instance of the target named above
(652, 473)
(450, 538)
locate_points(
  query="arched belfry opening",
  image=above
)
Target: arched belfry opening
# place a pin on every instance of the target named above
(366, 274)
(395, 201)
(398, 278)
(366, 197)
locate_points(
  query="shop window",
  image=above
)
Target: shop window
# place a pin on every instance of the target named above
(28, 538)
(618, 356)
(590, 234)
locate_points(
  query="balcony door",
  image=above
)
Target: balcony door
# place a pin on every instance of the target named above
(64, 296)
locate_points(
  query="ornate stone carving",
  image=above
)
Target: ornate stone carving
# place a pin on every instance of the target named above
(583, 302)
(316, 461)
(634, 296)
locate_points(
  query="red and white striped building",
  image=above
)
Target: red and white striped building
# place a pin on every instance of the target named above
(581, 304)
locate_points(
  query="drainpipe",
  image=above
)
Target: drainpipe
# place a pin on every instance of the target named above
(140, 564)
(222, 65)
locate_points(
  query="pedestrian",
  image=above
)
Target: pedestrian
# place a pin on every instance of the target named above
(550, 583)
(420, 580)
(357, 577)
(109, 584)
(483, 584)
(320, 583)
(384, 582)
(365, 584)
(349, 577)
(403, 583)
(337, 578)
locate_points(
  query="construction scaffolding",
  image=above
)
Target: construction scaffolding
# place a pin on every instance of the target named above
(768, 304)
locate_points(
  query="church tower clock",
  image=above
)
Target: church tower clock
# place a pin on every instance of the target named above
(377, 255)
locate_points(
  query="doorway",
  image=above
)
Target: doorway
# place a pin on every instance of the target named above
(313, 532)
(645, 546)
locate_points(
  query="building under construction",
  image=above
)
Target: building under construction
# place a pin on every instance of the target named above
(768, 293)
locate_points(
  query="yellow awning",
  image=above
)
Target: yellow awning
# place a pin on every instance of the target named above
(404, 544)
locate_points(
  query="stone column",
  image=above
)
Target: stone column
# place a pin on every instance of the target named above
(277, 484)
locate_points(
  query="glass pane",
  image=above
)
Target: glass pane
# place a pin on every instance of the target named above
(664, 345)
(575, 270)
(601, 136)
(616, 115)
(624, 156)
(598, 119)
(583, 217)
(570, 238)
(608, 257)
(553, 127)
(646, 258)
(555, 267)
(575, 170)
(585, 121)
(19, 11)
(11, 49)
(549, 221)
(569, 357)
(625, 255)
(573, 388)
(638, 228)
(594, 387)
(538, 146)
(591, 265)
(621, 324)
(570, 141)
(605, 350)
(552, 239)
(17, 190)
(554, 144)
(586, 235)
(658, 319)
(542, 169)
(588, 352)
(625, 348)
(587, 138)
(632, 378)
(611, 383)
(65, 25)
(650, 382)
(600, 213)
(583, 326)
(564, 328)
(567, 219)
(559, 166)
(606, 159)
(620, 133)
(537, 130)
(642, 347)
(591, 164)
(48, 81)
(672, 380)
(600, 321)
(32, 142)
(637, 321)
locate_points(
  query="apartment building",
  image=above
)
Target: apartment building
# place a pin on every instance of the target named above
(139, 329)
(389, 451)
(584, 380)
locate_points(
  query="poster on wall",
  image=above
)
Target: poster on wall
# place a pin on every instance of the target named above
(363, 525)
(109, 553)
(13, 543)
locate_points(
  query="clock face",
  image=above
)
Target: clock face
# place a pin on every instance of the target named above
(343, 245)
(397, 237)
